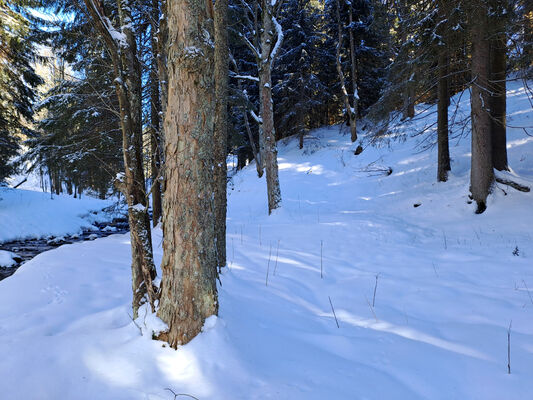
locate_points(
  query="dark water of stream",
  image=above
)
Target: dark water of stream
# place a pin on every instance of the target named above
(28, 248)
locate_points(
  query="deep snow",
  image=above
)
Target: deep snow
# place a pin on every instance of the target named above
(449, 283)
(27, 213)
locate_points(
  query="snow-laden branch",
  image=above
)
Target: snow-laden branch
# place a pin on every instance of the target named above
(279, 40)
(118, 38)
(249, 77)
(257, 118)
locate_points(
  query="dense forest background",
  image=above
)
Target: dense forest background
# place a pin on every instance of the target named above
(392, 55)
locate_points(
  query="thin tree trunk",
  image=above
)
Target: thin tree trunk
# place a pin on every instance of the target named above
(443, 94)
(481, 174)
(498, 67)
(162, 40)
(127, 70)
(155, 110)
(189, 292)
(347, 106)
(353, 65)
(442, 119)
(221, 125)
(267, 133)
(251, 139)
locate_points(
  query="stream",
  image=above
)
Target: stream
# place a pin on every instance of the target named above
(26, 249)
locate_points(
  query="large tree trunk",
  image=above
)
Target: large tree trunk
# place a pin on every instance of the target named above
(189, 292)
(221, 125)
(155, 117)
(127, 69)
(498, 67)
(481, 174)
(267, 134)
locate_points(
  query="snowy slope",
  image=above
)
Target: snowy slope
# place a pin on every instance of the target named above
(448, 286)
(33, 214)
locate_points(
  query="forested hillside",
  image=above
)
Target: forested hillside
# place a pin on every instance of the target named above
(304, 199)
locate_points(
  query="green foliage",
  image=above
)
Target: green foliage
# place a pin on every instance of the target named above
(18, 80)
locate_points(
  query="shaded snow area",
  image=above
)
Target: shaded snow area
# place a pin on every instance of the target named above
(32, 214)
(449, 283)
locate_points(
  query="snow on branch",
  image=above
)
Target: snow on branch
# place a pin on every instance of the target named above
(249, 77)
(257, 118)
(279, 40)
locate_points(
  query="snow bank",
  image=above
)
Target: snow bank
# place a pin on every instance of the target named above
(7, 259)
(423, 296)
(32, 214)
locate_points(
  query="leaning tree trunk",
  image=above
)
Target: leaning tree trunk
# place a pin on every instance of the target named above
(481, 174)
(267, 134)
(188, 291)
(498, 76)
(221, 126)
(123, 50)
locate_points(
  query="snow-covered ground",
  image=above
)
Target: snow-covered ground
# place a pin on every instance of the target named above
(423, 296)
(33, 214)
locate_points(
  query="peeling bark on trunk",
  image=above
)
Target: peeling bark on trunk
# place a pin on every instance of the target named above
(188, 292)
(482, 173)
(221, 126)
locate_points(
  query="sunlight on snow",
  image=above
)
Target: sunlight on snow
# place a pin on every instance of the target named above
(302, 167)
(114, 369)
(183, 366)
(518, 142)
(407, 333)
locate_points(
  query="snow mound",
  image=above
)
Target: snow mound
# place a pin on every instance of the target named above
(31, 214)
(7, 259)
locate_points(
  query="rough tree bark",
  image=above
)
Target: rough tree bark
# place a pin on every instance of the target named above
(122, 47)
(188, 292)
(481, 173)
(350, 111)
(221, 125)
